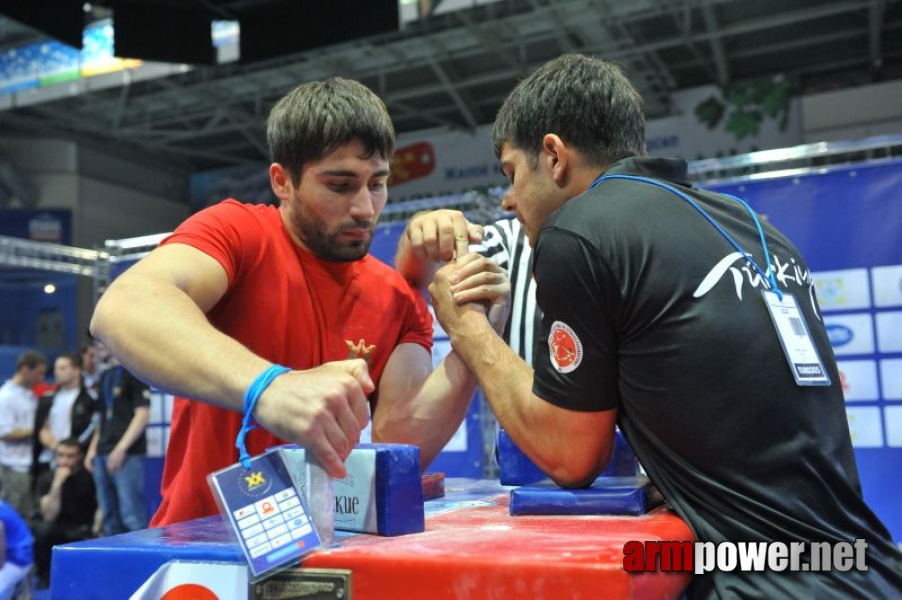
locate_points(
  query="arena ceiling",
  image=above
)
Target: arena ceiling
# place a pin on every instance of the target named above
(452, 69)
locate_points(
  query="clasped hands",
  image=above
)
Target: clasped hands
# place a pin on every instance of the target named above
(469, 286)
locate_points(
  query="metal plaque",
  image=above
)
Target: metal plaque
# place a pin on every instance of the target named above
(304, 584)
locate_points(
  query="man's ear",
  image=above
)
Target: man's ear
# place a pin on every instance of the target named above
(280, 182)
(557, 155)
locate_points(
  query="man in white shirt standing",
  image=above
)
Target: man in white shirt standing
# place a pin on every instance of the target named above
(17, 410)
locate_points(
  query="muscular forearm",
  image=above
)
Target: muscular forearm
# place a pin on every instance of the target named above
(164, 338)
(429, 417)
(546, 433)
(506, 380)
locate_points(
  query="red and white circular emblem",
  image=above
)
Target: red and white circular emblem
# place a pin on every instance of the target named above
(565, 348)
(189, 591)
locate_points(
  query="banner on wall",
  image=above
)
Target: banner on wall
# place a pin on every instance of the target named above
(445, 163)
(712, 122)
(54, 226)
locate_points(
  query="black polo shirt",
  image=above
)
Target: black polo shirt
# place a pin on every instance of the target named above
(650, 310)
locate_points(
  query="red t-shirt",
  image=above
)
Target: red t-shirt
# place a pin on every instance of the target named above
(288, 307)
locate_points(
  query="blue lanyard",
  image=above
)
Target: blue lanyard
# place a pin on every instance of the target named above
(768, 276)
(112, 380)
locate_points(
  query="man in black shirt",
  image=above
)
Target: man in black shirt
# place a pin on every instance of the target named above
(67, 509)
(116, 453)
(661, 306)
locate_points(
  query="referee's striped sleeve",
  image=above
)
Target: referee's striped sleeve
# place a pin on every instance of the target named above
(504, 242)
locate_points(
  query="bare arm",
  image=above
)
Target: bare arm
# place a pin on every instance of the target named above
(153, 318)
(17, 435)
(418, 407)
(423, 408)
(46, 437)
(92, 449)
(134, 430)
(572, 447)
(51, 502)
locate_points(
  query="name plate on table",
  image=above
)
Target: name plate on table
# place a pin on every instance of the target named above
(304, 584)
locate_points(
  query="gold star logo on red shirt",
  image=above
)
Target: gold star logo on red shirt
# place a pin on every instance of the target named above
(360, 349)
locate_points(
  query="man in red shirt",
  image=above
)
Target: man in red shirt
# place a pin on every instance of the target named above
(237, 288)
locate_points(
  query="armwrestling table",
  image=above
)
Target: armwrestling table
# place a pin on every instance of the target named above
(472, 549)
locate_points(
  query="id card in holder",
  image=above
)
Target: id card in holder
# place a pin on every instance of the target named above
(266, 511)
(804, 361)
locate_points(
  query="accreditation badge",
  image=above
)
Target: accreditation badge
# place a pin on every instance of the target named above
(804, 361)
(266, 511)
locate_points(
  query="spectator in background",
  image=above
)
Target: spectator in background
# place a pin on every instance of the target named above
(17, 410)
(42, 387)
(116, 453)
(15, 551)
(90, 367)
(67, 508)
(68, 412)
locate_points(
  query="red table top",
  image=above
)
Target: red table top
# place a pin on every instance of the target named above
(474, 549)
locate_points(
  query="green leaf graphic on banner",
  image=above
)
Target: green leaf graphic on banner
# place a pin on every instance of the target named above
(746, 105)
(743, 124)
(710, 112)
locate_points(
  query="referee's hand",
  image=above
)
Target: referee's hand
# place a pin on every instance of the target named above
(441, 235)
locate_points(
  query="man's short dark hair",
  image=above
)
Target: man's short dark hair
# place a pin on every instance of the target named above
(317, 118)
(71, 442)
(30, 359)
(73, 358)
(586, 101)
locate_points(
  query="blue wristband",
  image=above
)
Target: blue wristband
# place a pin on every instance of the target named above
(253, 393)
